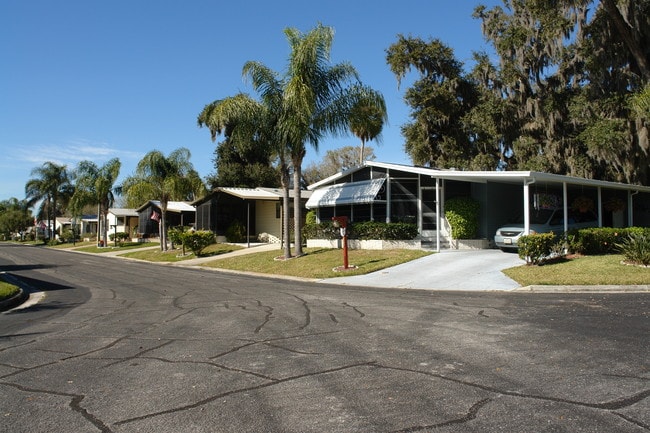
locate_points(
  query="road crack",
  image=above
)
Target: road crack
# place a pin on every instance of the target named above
(239, 391)
(75, 404)
(471, 414)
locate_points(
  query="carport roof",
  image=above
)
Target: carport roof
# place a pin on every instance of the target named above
(514, 177)
(258, 193)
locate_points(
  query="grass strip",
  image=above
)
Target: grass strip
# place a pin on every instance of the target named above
(176, 255)
(7, 290)
(581, 270)
(317, 262)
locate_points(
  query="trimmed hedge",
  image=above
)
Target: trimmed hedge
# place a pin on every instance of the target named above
(602, 240)
(363, 231)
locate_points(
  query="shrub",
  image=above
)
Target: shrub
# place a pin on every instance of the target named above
(536, 248)
(310, 217)
(602, 240)
(198, 240)
(362, 230)
(383, 231)
(324, 230)
(462, 214)
(236, 232)
(68, 235)
(636, 248)
(120, 236)
(175, 234)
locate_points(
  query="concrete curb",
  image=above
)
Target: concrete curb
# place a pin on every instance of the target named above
(15, 300)
(584, 289)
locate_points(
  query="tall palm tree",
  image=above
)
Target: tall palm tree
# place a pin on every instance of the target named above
(311, 99)
(164, 178)
(367, 116)
(96, 185)
(49, 185)
(317, 101)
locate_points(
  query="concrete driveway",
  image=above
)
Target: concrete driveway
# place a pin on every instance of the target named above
(447, 270)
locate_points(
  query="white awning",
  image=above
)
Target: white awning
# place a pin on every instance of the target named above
(364, 191)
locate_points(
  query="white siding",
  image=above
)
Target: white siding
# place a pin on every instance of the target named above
(265, 220)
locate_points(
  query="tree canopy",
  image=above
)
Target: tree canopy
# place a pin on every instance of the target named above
(163, 178)
(566, 94)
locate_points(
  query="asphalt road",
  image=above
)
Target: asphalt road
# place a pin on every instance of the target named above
(123, 346)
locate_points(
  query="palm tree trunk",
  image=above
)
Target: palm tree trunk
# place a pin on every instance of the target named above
(163, 226)
(52, 236)
(297, 210)
(286, 213)
(363, 145)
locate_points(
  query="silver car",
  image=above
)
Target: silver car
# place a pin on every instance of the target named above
(542, 221)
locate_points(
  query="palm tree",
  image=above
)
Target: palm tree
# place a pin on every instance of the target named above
(96, 185)
(50, 184)
(309, 100)
(316, 101)
(242, 118)
(367, 116)
(162, 178)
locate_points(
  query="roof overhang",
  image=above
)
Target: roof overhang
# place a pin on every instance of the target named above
(512, 177)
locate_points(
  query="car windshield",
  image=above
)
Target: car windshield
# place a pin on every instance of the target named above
(538, 216)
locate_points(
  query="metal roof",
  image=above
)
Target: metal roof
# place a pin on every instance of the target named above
(516, 177)
(172, 206)
(259, 193)
(123, 211)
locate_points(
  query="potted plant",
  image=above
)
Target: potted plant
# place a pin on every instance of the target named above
(582, 204)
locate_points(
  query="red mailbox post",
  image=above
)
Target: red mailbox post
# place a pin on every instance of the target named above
(342, 224)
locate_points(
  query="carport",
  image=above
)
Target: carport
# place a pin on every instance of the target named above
(417, 194)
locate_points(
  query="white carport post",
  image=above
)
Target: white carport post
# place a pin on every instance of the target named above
(438, 220)
(527, 183)
(630, 207)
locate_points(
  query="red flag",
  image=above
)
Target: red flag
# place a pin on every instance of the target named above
(155, 216)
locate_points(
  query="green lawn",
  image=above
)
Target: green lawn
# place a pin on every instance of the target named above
(586, 270)
(176, 255)
(7, 290)
(317, 262)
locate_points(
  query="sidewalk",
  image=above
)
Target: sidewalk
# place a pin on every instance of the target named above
(254, 248)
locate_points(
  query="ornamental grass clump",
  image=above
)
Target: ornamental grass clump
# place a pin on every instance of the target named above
(636, 248)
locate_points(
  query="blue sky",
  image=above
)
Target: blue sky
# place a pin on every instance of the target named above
(90, 80)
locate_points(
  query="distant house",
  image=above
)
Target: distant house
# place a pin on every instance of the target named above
(400, 193)
(179, 213)
(123, 220)
(88, 226)
(259, 210)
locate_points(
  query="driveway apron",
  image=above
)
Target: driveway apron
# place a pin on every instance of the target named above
(448, 270)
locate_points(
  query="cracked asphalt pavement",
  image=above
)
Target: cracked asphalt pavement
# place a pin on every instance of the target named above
(122, 346)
